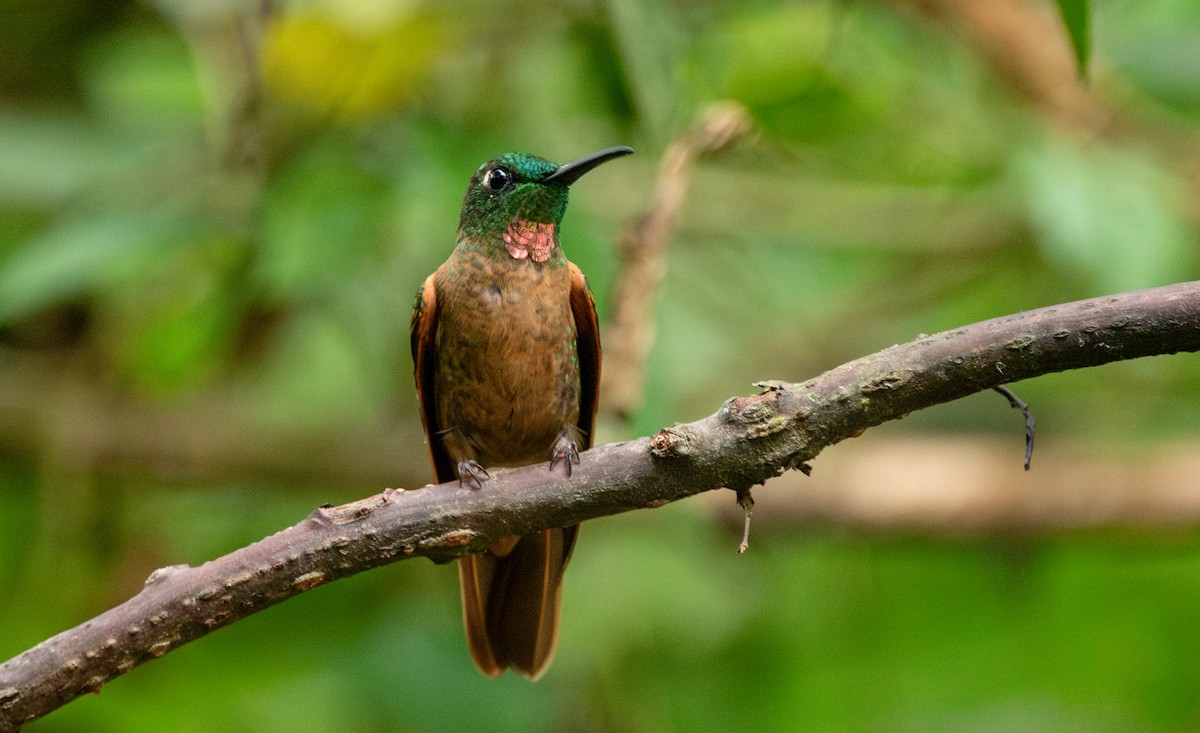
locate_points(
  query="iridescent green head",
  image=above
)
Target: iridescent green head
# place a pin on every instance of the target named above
(518, 201)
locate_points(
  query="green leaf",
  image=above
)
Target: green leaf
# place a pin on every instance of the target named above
(47, 157)
(647, 35)
(1076, 15)
(1107, 215)
(76, 255)
(321, 221)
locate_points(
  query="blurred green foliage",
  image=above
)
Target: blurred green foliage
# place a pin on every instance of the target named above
(1077, 17)
(198, 199)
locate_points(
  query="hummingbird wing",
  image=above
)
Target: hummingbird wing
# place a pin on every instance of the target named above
(423, 337)
(587, 345)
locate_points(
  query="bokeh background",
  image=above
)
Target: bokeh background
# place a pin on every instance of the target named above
(213, 219)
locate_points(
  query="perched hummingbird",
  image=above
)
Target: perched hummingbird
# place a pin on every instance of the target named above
(506, 353)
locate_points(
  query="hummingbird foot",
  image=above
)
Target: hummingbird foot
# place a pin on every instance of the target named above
(566, 448)
(471, 472)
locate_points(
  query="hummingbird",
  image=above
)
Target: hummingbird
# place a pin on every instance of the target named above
(506, 355)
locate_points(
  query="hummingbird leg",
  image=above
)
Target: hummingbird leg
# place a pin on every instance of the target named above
(566, 448)
(471, 472)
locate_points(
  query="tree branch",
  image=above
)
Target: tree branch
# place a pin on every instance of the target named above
(748, 440)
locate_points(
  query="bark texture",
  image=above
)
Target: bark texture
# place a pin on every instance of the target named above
(748, 440)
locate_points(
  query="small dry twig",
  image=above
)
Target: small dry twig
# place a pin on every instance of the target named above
(1023, 406)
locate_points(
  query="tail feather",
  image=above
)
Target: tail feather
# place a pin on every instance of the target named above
(511, 604)
(475, 574)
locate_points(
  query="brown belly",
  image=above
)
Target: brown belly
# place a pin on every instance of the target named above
(508, 376)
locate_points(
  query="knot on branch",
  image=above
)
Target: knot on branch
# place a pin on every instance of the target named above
(1020, 343)
(892, 380)
(763, 414)
(160, 575)
(327, 515)
(676, 441)
(9, 697)
(454, 541)
(309, 580)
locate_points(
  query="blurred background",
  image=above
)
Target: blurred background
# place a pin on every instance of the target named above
(213, 219)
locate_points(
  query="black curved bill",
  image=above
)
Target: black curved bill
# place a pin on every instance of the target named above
(570, 172)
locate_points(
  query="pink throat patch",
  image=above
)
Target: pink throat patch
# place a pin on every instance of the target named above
(532, 239)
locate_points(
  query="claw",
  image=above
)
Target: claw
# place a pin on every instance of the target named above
(474, 471)
(566, 449)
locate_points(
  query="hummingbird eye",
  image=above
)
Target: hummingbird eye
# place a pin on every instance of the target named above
(496, 180)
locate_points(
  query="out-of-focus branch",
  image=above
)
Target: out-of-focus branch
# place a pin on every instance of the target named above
(226, 41)
(1026, 44)
(748, 440)
(629, 333)
(924, 482)
(53, 408)
(971, 485)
